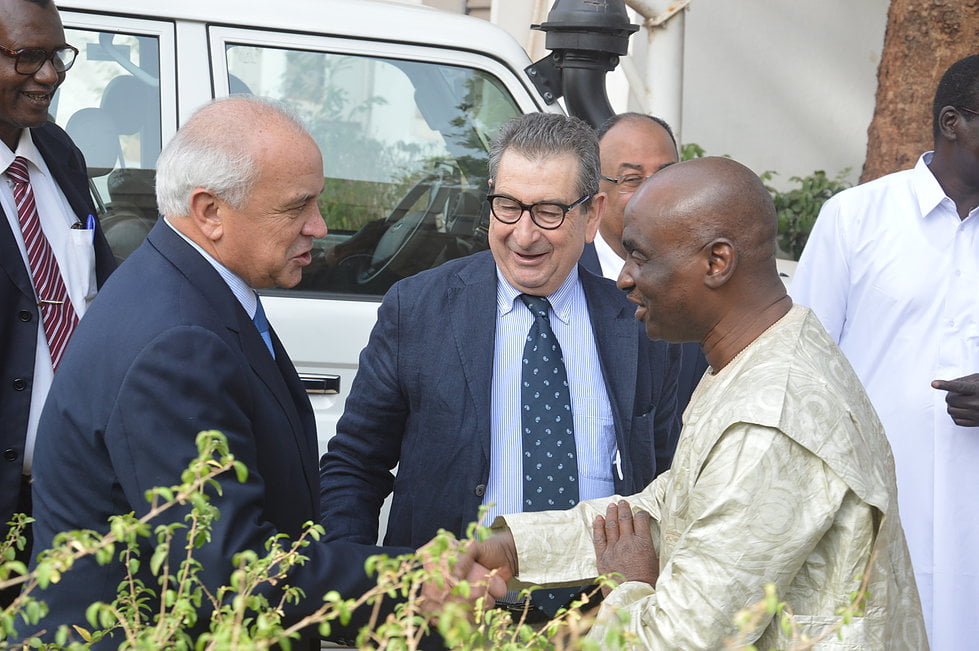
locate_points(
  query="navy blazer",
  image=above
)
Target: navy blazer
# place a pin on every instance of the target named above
(165, 351)
(421, 399)
(18, 327)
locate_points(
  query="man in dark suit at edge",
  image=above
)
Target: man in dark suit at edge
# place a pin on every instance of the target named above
(440, 389)
(49, 276)
(191, 350)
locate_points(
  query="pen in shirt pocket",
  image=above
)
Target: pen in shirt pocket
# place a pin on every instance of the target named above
(89, 225)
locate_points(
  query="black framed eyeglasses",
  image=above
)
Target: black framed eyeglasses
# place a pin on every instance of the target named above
(546, 214)
(28, 60)
(967, 110)
(628, 183)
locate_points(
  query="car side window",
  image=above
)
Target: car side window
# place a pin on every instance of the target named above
(404, 153)
(110, 106)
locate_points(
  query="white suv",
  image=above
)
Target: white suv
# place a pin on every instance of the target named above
(403, 101)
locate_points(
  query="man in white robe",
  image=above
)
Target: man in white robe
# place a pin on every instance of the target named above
(782, 474)
(892, 271)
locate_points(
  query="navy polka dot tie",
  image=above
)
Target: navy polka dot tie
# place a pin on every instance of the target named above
(550, 467)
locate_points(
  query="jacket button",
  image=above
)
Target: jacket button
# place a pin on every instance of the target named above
(19, 384)
(480, 490)
(10, 454)
(25, 316)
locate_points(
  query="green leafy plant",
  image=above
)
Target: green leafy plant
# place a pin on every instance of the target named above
(240, 614)
(691, 150)
(798, 207)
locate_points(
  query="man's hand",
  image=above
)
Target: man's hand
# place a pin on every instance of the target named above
(962, 399)
(483, 582)
(624, 545)
(498, 552)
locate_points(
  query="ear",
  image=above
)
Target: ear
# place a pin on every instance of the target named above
(489, 185)
(948, 121)
(207, 212)
(594, 217)
(722, 260)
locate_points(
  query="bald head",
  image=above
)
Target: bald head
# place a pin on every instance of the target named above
(712, 198)
(700, 237)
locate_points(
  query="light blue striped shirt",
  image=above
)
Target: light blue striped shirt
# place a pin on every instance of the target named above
(592, 412)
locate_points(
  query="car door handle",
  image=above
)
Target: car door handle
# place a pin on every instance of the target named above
(320, 384)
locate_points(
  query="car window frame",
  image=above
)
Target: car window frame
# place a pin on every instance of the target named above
(165, 33)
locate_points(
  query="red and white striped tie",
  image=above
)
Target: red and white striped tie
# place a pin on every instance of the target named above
(57, 313)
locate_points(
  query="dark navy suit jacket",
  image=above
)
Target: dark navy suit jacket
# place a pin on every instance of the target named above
(18, 327)
(692, 362)
(422, 394)
(165, 351)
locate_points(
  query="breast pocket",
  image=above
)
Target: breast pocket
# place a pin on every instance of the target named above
(78, 268)
(596, 454)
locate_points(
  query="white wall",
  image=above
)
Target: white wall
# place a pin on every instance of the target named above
(783, 85)
(777, 84)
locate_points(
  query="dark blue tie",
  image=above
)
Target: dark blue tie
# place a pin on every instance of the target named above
(550, 465)
(262, 324)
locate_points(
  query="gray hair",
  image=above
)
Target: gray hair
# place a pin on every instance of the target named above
(538, 136)
(213, 151)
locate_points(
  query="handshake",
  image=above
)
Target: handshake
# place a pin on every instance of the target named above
(623, 549)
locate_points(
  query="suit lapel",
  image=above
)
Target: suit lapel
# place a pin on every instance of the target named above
(66, 174)
(279, 376)
(616, 339)
(471, 304)
(202, 276)
(13, 263)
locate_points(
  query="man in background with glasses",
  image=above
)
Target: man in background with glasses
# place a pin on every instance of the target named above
(892, 270)
(633, 147)
(52, 250)
(510, 379)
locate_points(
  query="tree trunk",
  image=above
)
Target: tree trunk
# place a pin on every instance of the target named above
(923, 38)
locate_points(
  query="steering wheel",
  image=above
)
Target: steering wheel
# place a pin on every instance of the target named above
(405, 226)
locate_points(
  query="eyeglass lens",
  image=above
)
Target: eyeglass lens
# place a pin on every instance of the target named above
(31, 60)
(544, 214)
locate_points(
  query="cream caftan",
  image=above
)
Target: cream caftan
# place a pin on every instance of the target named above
(782, 475)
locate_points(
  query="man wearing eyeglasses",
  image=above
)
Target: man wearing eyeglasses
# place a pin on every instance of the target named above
(52, 250)
(633, 147)
(892, 270)
(510, 379)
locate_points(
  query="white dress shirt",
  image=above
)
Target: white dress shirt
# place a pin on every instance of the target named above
(72, 248)
(611, 262)
(893, 273)
(594, 429)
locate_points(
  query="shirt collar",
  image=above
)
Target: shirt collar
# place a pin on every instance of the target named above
(25, 149)
(608, 259)
(561, 300)
(927, 190)
(245, 294)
